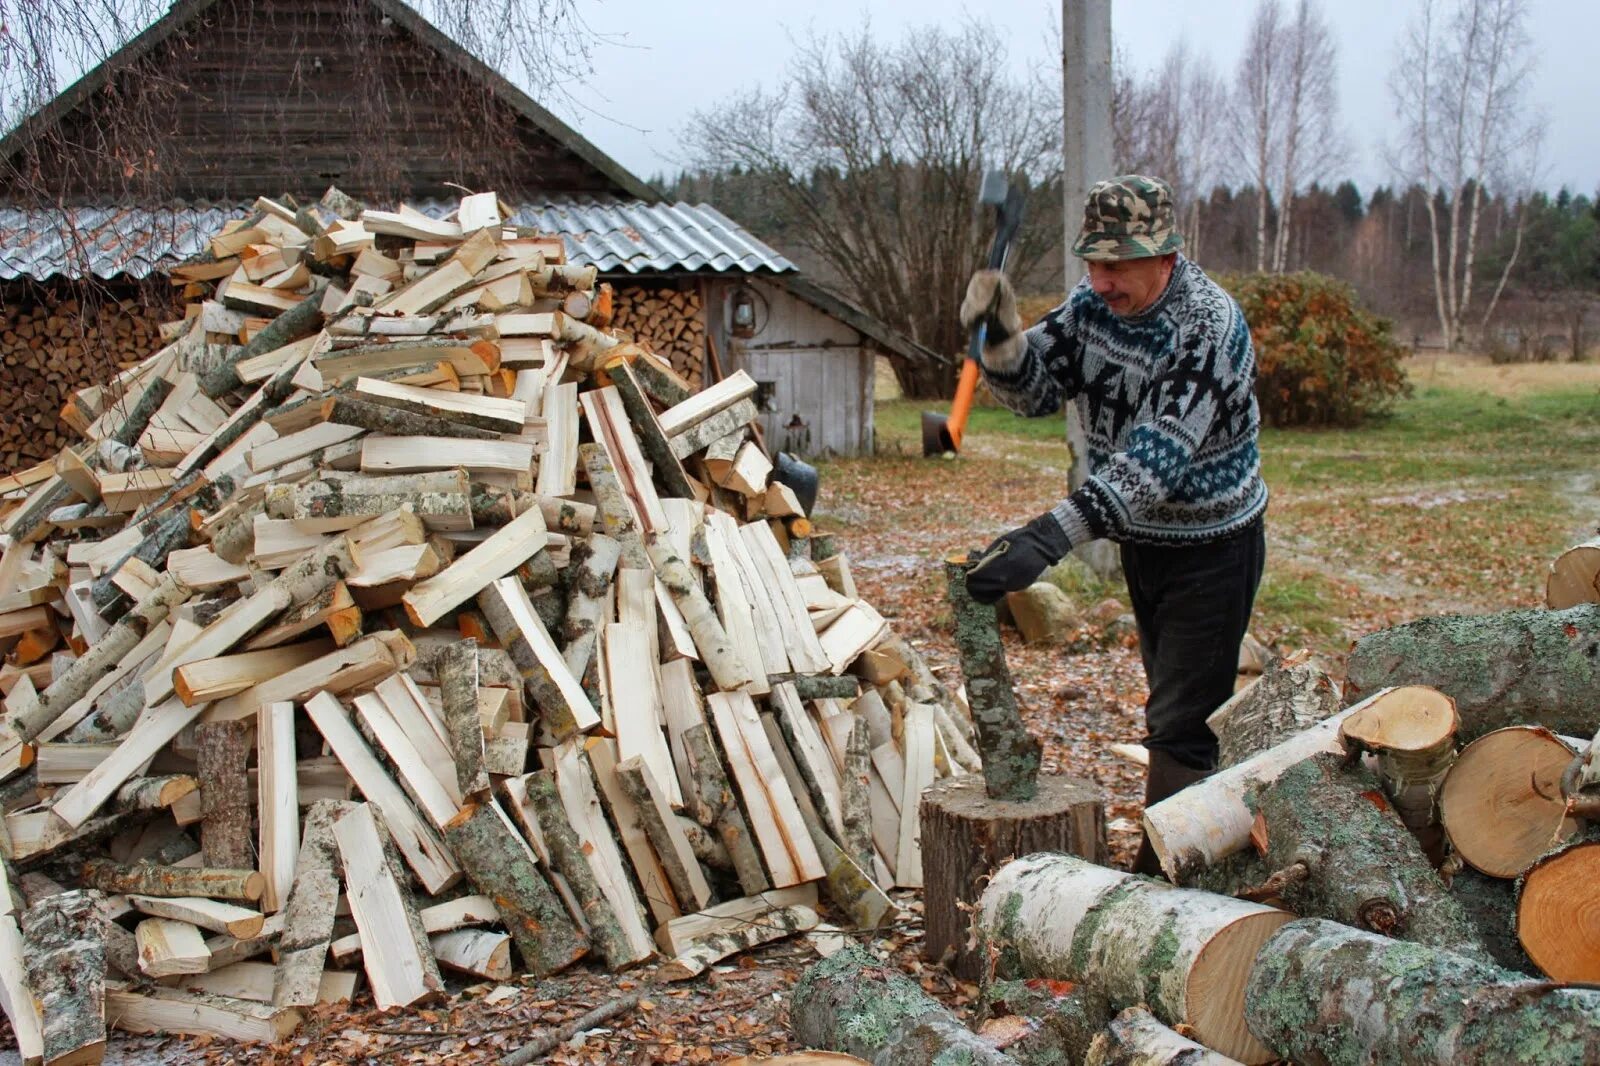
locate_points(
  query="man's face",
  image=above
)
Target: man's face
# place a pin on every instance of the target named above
(1129, 286)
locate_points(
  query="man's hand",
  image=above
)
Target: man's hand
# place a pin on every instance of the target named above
(1016, 559)
(990, 299)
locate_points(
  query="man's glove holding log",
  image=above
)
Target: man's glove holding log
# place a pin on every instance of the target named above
(1016, 559)
(991, 302)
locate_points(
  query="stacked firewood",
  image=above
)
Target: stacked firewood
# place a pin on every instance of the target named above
(670, 321)
(52, 344)
(1404, 880)
(389, 618)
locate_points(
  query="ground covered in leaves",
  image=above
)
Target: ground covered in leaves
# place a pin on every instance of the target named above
(1455, 503)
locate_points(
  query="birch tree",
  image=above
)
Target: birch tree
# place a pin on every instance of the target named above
(1460, 87)
(1309, 98)
(1258, 117)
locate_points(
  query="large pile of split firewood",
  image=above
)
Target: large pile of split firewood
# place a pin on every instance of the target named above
(1401, 872)
(391, 618)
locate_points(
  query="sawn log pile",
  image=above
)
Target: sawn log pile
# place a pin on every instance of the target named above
(1409, 880)
(390, 620)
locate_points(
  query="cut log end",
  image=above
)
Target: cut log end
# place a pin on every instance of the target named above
(1557, 911)
(1502, 805)
(1408, 718)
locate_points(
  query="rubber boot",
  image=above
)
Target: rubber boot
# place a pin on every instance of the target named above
(1164, 777)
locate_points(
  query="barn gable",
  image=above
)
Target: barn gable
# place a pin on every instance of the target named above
(223, 100)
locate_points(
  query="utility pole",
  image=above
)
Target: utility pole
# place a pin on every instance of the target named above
(1086, 159)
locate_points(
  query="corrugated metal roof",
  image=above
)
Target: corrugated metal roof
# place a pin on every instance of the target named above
(615, 236)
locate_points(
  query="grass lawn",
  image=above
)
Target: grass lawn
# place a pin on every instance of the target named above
(1456, 501)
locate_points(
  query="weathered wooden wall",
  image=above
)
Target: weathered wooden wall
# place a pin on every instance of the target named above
(274, 96)
(819, 370)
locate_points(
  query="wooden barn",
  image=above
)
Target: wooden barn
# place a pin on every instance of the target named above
(129, 171)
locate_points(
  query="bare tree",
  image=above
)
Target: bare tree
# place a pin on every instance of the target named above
(1460, 86)
(877, 150)
(1311, 143)
(1168, 124)
(1258, 113)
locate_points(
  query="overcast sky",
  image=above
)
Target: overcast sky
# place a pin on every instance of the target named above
(656, 63)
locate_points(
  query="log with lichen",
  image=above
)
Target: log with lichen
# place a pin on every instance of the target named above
(855, 1004)
(1185, 954)
(1011, 755)
(64, 941)
(1322, 994)
(499, 862)
(1360, 865)
(1292, 694)
(568, 859)
(1529, 667)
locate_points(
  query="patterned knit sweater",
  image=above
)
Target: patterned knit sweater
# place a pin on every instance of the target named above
(1167, 398)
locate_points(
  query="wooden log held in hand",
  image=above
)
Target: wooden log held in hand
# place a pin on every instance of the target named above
(972, 824)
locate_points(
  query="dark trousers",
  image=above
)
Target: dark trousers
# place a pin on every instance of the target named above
(1193, 606)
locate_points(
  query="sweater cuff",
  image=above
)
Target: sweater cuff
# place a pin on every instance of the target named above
(1005, 361)
(1072, 522)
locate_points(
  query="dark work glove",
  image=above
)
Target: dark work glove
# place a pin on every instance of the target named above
(1016, 559)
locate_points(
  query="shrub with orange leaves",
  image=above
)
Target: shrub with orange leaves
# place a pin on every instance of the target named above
(1321, 358)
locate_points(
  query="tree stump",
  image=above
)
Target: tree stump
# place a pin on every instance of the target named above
(966, 836)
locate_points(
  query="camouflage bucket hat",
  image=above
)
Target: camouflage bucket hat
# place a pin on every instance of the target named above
(1130, 217)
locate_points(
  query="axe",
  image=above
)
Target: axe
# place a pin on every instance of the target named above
(942, 433)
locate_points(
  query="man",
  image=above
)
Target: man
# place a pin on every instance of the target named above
(1158, 359)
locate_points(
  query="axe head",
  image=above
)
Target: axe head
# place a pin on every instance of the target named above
(992, 193)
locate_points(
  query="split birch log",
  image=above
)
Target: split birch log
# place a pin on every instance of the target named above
(1574, 577)
(727, 820)
(479, 952)
(346, 410)
(1413, 735)
(550, 684)
(458, 685)
(498, 861)
(1362, 867)
(568, 860)
(1185, 954)
(652, 441)
(104, 656)
(1135, 1038)
(394, 949)
(1501, 803)
(1534, 667)
(225, 836)
(1211, 819)
(1010, 753)
(677, 858)
(854, 1004)
(1291, 695)
(710, 639)
(588, 577)
(277, 803)
(168, 881)
(850, 886)
(169, 948)
(966, 836)
(700, 956)
(308, 918)
(616, 516)
(65, 955)
(209, 914)
(298, 321)
(1321, 993)
(856, 785)
(1555, 908)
